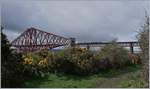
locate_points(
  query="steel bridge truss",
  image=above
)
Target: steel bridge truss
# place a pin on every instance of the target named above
(131, 44)
(101, 44)
(33, 39)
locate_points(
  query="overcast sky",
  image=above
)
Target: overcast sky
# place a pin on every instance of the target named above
(84, 20)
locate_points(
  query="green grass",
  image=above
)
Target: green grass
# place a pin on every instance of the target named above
(127, 77)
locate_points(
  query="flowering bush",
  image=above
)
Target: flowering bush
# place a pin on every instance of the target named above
(77, 60)
(34, 66)
(74, 60)
(28, 61)
(43, 62)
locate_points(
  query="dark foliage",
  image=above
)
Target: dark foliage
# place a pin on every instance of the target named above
(143, 38)
(11, 68)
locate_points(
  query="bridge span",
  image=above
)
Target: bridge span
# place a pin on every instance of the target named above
(34, 39)
(130, 44)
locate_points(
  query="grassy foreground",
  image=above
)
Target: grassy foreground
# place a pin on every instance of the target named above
(127, 77)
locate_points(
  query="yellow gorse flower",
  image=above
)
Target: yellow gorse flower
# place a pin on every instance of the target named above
(43, 62)
(28, 60)
(81, 49)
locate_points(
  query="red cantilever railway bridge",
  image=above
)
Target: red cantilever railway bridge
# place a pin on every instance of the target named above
(34, 39)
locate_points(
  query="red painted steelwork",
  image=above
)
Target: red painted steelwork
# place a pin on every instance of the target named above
(33, 39)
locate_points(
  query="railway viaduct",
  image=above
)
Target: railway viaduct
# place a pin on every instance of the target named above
(34, 39)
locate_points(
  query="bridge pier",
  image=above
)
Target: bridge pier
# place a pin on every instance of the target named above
(73, 41)
(88, 47)
(131, 48)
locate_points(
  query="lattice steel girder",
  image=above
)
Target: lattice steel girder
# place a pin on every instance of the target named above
(33, 39)
(123, 44)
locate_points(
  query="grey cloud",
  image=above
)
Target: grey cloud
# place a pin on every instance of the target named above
(84, 20)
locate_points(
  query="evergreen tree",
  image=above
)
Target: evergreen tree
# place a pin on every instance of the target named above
(11, 68)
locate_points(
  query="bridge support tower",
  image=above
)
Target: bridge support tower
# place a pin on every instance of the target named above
(88, 47)
(73, 41)
(131, 48)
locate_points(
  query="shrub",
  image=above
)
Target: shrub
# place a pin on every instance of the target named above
(143, 38)
(43, 53)
(77, 60)
(135, 58)
(82, 59)
(113, 56)
(53, 62)
(100, 63)
(11, 68)
(34, 65)
(72, 60)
